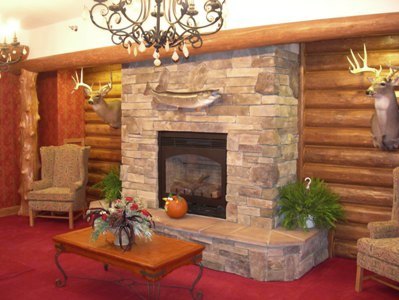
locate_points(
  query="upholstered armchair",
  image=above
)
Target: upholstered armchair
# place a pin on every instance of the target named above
(380, 252)
(61, 192)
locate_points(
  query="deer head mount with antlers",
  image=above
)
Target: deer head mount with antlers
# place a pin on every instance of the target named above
(385, 120)
(110, 112)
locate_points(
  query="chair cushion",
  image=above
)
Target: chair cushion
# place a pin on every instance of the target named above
(66, 165)
(52, 193)
(382, 249)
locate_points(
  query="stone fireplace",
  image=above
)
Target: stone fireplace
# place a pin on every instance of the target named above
(257, 112)
(257, 117)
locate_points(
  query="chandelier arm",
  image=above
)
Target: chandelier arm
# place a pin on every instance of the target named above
(143, 16)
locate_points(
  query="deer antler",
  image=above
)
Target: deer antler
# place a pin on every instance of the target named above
(392, 71)
(80, 83)
(356, 67)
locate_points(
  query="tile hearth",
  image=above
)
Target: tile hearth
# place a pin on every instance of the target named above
(258, 253)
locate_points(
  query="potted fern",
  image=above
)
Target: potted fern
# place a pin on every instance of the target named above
(110, 186)
(307, 206)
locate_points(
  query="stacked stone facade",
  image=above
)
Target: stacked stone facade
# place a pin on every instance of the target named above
(258, 111)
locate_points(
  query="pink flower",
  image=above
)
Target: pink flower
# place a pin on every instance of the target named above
(134, 206)
(129, 199)
(104, 217)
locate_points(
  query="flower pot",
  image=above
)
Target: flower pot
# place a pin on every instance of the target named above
(176, 208)
(309, 222)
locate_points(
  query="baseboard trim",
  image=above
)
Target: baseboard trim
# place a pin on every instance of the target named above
(9, 211)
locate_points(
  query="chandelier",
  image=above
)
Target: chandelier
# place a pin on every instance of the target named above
(141, 24)
(11, 53)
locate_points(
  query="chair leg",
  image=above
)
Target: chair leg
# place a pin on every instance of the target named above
(31, 217)
(359, 279)
(70, 218)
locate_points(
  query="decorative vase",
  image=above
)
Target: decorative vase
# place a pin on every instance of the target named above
(177, 207)
(121, 238)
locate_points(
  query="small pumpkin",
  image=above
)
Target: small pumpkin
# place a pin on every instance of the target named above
(176, 206)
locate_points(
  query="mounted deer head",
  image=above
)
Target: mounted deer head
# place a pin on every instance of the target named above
(385, 120)
(109, 112)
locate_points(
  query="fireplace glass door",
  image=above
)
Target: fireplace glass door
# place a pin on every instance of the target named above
(193, 165)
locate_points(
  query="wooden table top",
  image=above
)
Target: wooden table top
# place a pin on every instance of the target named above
(149, 259)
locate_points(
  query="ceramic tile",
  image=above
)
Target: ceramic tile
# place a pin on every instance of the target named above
(259, 236)
(222, 229)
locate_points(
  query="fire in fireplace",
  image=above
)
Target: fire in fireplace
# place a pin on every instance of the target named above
(193, 165)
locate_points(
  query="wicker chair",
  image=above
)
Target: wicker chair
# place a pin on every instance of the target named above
(62, 188)
(380, 252)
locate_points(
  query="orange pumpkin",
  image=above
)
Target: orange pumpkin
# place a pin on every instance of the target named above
(177, 207)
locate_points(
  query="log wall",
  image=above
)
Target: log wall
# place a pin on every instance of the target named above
(336, 144)
(105, 141)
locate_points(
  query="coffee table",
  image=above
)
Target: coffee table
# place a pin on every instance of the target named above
(150, 260)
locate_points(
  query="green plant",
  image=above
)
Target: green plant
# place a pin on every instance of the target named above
(110, 186)
(298, 203)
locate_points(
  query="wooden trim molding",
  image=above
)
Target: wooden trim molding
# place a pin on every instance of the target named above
(9, 211)
(235, 39)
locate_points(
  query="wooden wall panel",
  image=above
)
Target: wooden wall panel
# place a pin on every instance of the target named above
(337, 142)
(105, 141)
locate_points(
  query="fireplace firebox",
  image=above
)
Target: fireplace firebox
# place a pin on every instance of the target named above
(193, 165)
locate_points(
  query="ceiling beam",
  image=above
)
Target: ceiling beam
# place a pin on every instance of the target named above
(305, 31)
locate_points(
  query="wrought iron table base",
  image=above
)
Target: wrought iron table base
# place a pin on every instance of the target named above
(153, 287)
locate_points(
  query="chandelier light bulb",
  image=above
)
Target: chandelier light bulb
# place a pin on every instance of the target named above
(135, 51)
(129, 50)
(175, 56)
(167, 46)
(186, 53)
(157, 62)
(142, 47)
(156, 54)
(24, 51)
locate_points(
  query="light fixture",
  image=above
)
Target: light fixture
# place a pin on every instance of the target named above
(11, 53)
(170, 24)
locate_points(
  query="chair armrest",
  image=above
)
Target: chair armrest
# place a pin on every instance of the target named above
(74, 186)
(41, 184)
(380, 230)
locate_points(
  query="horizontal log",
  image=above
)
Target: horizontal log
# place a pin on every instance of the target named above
(113, 155)
(366, 195)
(365, 214)
(315, 117)
(338, 61)
(101, 129)
(92, 117)
(351, 156)
(102, 167)
(343, 80)
(344, 248)
(386, 42)
(294, 32)
(94, 178)
(348, 137)
(351, 231)
(336, 98)
(111, 142)
(349, 175)
(103, 77)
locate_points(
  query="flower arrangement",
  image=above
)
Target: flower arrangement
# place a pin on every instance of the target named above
(126, 219)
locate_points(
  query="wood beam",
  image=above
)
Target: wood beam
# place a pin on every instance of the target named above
(296, 32)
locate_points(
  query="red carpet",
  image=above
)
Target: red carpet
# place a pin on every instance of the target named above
(28, 272)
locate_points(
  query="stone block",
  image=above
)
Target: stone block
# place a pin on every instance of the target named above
(244, 220)
(261, 222)
(229, 110)
(266, 175)
(249, 139)
(269, 137)
(243, 72)
(264, 61)
(247, 210)
(234, 158)
(238, 171)
(267, 84)
(231, 212)
(291, 262)
(261, 203)
(258, 265)
(249, 191)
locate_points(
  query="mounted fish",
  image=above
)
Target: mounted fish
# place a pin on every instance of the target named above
(109, 112)
(194, 97)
